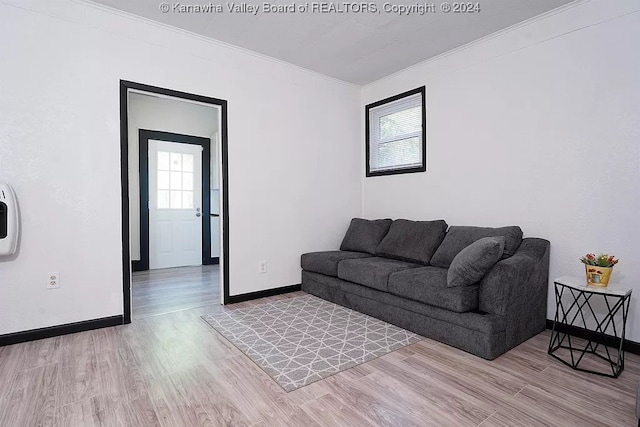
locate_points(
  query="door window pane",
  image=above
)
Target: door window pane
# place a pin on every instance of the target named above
(176, 181)
(176, 200)
(187, 181)
(163, 199)
(163, 160)
(163, 180)
(187, 162)
(176, 161)
(187, 199)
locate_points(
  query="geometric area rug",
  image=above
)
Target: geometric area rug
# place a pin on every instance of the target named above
(303, 339)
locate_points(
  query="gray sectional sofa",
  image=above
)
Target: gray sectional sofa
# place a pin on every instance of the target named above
(480, 289)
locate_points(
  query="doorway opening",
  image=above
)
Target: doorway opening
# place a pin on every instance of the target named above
(174, 162)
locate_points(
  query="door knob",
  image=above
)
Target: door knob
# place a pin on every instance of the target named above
(198, 214)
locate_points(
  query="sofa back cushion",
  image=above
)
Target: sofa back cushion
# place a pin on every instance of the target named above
(459, 237)
(474, 261)
(412, 241)
(364, 235)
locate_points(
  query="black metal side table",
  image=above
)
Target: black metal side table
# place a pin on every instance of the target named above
(579, 309)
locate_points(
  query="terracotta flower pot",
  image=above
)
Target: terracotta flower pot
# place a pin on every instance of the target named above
(598, 276)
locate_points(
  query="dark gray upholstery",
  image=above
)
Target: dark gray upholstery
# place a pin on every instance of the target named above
(429, 285)
(327, 262)
(506, 308)
(412, 241)
(480, 334)
(517, 288)
(372, 272)
(473, 262)
(365, 235)
(475, 320)
(459, 237)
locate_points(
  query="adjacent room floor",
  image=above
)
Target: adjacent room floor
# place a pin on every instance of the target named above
(174, 370)
(169, 290)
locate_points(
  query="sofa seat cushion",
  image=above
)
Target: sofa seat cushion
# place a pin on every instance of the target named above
(327, 262)
(459, 237)
(428, 285)
(365, 235)
(412, 241)
(372, 272)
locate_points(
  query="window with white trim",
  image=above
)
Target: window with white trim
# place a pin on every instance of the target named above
(396, 139)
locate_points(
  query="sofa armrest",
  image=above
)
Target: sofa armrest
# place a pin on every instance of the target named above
(517, 288)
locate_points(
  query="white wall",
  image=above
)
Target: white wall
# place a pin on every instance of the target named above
(538, 126)
(59, 146)
(166, 115)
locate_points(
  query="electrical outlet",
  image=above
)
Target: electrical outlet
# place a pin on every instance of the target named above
(53, 280)
(262, 267)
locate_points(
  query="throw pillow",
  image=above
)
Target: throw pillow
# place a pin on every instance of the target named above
(459, 237)
(474, 261)
(412, 241)
(364, 235)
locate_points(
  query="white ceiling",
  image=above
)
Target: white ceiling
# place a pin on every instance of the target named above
(354, 47)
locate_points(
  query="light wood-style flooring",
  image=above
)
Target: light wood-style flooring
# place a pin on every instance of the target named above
(169, 290)
(174, 370)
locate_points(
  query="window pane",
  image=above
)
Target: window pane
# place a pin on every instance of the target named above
(401, 123)
(187, 181)
(163, 160)
(176, 200)
(176, 181)
(163, 199)
(187, 162)
(176, 161)
(187, 199)
(163, 180)
(396, 134)
(400, 153)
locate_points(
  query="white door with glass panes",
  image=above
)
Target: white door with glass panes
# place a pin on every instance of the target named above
(175, 204)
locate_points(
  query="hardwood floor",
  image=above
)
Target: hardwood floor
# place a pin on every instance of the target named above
(169, 290)
(174, 370)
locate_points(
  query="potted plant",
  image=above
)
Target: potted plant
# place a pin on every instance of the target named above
(598, 268)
